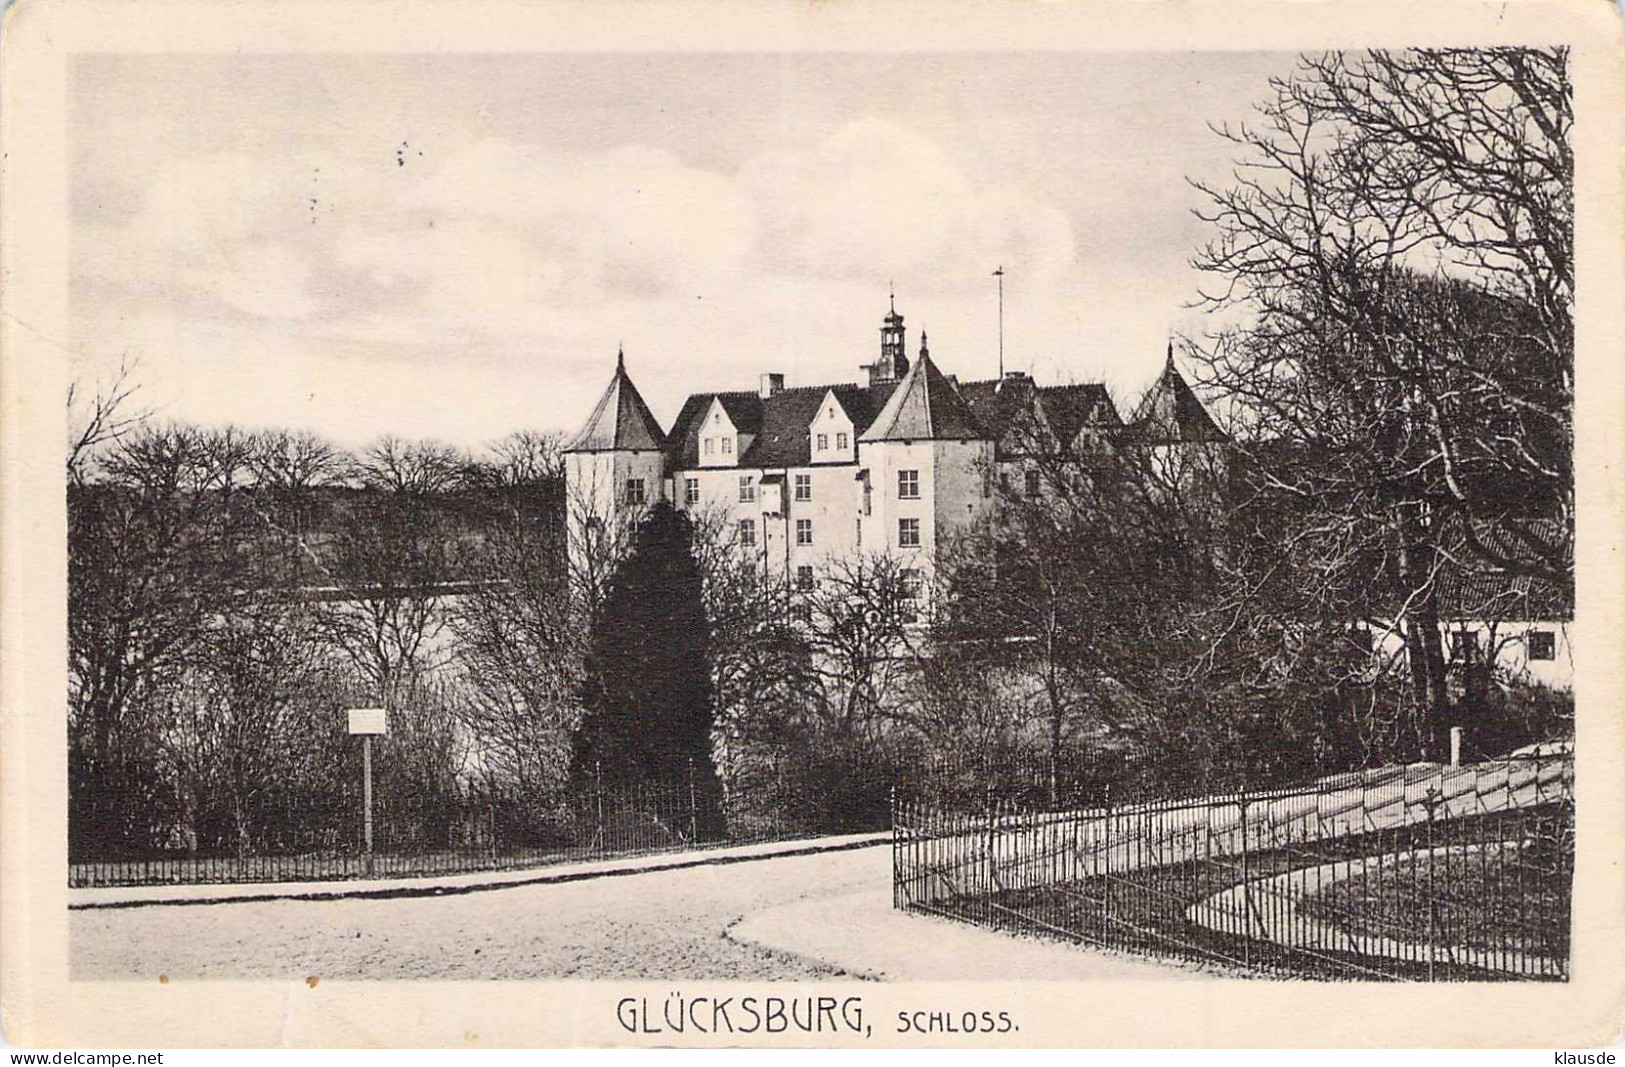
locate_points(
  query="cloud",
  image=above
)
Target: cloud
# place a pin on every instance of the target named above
(505, 273)
(875, 193)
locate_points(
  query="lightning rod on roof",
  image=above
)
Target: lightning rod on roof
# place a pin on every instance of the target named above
(999, 274)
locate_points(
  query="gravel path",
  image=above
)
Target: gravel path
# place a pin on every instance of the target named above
(669, 924)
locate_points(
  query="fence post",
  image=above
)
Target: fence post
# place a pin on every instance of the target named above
(598, 803)
(1455, 746)
(693, 810)
(1246, 890)
(1104, 875)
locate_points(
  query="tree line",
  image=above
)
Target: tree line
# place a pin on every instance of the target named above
(1392, 355)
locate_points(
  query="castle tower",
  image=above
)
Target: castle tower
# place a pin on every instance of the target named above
(615, 466)
(893, 361)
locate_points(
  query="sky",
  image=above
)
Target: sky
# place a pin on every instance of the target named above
(455, 246)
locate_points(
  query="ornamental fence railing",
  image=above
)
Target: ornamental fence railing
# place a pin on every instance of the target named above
(292, 836)
(1422, 873)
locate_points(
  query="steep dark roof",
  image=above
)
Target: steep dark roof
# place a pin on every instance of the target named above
(621, 420)
(1069, 408)
(997, 403)
(780, 422)
(926, 406)
(1065, 409)
(1171, 413)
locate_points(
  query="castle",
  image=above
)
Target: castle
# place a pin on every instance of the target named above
(815, 473)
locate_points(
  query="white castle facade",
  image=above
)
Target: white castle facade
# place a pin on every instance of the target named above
(809, 474)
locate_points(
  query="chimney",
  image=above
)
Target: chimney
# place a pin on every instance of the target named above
(772, 385)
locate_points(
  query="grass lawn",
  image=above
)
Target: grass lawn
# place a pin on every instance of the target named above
(1512, 895)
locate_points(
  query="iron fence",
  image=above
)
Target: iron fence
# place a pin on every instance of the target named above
(1423, 872)
(320, 839)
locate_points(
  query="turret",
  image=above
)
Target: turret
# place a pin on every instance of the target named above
(893, 362)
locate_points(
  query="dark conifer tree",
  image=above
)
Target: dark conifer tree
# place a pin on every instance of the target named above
(647, 699)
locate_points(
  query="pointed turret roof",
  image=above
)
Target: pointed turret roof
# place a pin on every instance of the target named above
(621, 421)
(925, 406)
(1170, 411)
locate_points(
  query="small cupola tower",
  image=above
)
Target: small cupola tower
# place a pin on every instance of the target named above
(893, 361)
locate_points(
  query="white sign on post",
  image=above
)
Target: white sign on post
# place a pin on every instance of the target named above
(368, 721)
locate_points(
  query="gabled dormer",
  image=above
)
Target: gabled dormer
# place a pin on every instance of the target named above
(830, 436)
(720, 440)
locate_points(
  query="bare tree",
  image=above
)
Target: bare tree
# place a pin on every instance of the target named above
(1398, 246)
(249, 734)
(863, 623)
(392, 556)
(411, 467)
(523, 459)
(520, 637)
(100, 419)
(152, 563)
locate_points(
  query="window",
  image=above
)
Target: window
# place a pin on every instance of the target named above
(908, 533)
(1463, 646)
(1032, 484)
(840, 441)
(634, 491)
(747, 489)
(727, 445)
(803, 487)
(908, 591)
(860, 532)
(691, 490)
(747, 532)
(823, 442)
(804, 579)
(803, 531)
(908, 485)
(1542, 644)
(710, 446)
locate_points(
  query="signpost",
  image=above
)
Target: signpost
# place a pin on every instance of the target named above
(367, 722)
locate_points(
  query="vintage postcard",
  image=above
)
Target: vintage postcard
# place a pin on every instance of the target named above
(812, 524)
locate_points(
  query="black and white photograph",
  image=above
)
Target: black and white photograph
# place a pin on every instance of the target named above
(842, 516)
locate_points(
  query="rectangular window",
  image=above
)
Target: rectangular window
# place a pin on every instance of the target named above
(1032, 484)
(727, 445)
(908, 533)
(908, 485)
(908, 591)
(710, 446)
(803, 532)
(1463, 646)
(840, 441)
(1542, 644)
(804, 579)
(823, 442)
(859, 534)
(803, 487)
(747, 532)
(634, 491)
(691, 490)
(747, 489)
